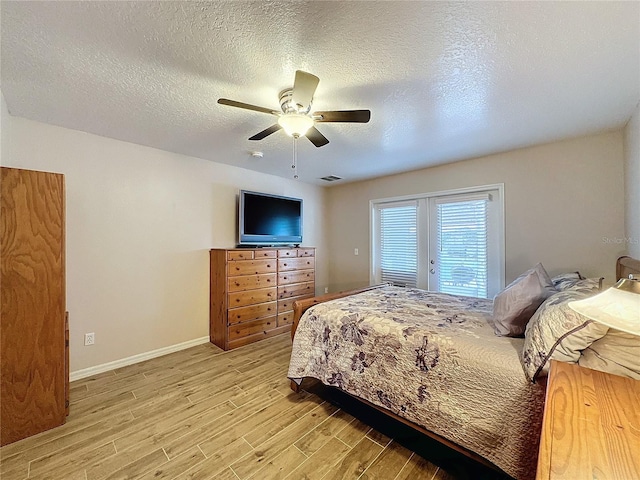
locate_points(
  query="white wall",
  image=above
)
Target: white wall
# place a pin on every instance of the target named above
(632, 184)
(564, 207)
(140, 223)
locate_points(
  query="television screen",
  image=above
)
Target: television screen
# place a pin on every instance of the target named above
(269, 219)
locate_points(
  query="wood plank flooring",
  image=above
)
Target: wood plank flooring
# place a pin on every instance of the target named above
(202, 414)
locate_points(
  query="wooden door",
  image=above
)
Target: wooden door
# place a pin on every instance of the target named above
(32, 285)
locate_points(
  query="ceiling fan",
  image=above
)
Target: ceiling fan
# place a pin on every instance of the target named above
(296, 118)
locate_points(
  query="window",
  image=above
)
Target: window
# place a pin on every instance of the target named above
(461, 246)
(451, 242)
(398, 260)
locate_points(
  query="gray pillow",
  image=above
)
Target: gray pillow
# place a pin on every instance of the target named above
(514, 306)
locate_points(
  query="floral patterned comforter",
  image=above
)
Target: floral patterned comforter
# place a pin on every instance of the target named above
(433, 359)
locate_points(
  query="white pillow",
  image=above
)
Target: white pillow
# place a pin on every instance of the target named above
(617, 353)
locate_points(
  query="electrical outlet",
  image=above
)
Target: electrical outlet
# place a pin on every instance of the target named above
(89, 339)
(355, 251)
(326, 289)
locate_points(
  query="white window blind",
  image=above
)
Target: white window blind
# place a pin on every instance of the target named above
(462, 246)
(398, 226)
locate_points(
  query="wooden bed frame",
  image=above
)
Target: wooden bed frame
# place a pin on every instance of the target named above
(625, 266)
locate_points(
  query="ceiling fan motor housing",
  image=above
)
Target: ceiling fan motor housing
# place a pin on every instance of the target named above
(288, 105)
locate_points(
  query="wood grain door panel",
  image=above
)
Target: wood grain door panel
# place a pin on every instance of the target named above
(32, 303)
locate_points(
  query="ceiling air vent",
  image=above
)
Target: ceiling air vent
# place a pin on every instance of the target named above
(331, 178)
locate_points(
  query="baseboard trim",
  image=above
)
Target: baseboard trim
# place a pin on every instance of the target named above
(141, 357)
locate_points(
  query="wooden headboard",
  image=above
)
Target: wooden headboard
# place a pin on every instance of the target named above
(626, 266)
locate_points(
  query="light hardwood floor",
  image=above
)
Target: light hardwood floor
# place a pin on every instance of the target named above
(207, 414)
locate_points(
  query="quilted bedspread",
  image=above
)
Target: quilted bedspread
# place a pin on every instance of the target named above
(433, 359)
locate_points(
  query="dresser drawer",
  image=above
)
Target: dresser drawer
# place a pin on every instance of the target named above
(285, 304)
(287, 253)
(285, 318)
(296, 276)
(251, 267)
(306, 252)
(249, 328)
(240, 255)
(296, 290)
(260, 253)
(252, 312)
(251, 282)
(251, 297)
(303, 263)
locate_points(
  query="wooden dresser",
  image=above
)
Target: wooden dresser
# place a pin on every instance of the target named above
(253, 290)
(34, 364)
(591, 426)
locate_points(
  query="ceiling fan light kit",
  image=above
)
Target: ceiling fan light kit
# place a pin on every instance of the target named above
(295, 124)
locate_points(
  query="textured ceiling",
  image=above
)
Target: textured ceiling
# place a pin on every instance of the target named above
(444, 80)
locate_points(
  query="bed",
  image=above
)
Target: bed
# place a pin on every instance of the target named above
(433, 362)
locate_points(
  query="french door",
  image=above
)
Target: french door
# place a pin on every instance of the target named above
(449, 242)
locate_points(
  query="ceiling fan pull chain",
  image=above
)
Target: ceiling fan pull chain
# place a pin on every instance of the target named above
(295, 158)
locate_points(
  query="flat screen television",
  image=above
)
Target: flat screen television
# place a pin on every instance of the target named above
(265, 219)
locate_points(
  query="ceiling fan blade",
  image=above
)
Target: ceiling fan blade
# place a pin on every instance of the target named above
(354, 116)
(304, 87)
(266, 132)
(318, 139)
(246, 106)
